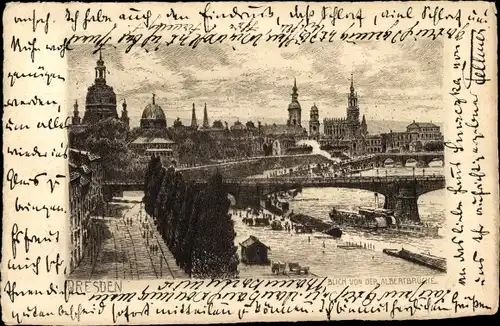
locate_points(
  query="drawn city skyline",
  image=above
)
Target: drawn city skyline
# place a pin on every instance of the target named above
(395, 85)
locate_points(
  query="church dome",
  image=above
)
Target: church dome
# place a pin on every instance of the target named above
(100, 102)
(101, 95)
(154, 112)
(314, 108)
(153, 116)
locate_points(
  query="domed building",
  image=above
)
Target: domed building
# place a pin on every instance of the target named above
(101, 99)
(153, 119)
(153, 116)
(100, 102)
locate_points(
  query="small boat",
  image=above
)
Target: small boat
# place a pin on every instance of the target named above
(425, 259)
(334, 232)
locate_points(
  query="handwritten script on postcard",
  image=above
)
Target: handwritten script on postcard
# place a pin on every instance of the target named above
(45, 237)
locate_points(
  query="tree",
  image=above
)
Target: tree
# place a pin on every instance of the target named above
(178, 123)
(182, 254)
(250, 125)
(180, 190)
(434, 146)
(151, 205)
(217, 124)
(214, 253)
(109, 139)
(189, 241)
(153, 165)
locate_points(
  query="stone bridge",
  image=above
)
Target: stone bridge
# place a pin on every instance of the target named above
(401, 192)
(378, 160)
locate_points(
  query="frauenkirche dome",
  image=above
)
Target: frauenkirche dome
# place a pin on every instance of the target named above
(100, 102)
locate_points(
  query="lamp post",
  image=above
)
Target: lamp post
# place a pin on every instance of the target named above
(161, 266)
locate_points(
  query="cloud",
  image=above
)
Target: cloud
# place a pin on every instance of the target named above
(392, 81)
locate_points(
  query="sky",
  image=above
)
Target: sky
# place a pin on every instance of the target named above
(401, 82)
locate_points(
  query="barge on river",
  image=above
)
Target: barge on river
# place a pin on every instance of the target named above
(434, 262)
(379, 219)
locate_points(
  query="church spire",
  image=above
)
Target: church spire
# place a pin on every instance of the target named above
(100, 70)
(194, 123)
(295, 95)
(75, 108)
(154, 95)
(205, 117)
(75, 120)
(352, 84)
(352, 97)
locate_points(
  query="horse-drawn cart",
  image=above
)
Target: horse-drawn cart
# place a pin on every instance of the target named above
(278, 268)
(295, 268)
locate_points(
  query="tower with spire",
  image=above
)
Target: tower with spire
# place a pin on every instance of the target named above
(353, 122)
(75, 119)
(194, 122)
(125, 119)
(294, 109)
(314, 123)
(206, 125)
(100, 102)
(352, 103)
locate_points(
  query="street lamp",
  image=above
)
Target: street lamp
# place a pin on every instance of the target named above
(161, 266)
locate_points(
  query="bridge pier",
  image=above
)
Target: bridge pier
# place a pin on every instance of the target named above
(406, 204)
(247, 197)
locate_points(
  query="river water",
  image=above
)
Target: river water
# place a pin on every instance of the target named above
(321, 253)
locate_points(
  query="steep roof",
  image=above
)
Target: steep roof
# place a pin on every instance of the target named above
(144, 140)
(251, 241)
(423, 124)
(73, 176)
(90, 156)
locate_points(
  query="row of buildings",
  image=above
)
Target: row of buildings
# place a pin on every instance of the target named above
(85, 196)
(348, 135)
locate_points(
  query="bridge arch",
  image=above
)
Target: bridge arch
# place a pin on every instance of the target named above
(389, 161)
(436, 162)
(411, 162)
(339, 197)
(427, 204)
(232, 199)
(276, 147)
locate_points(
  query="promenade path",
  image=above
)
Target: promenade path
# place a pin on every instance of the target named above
(126, 250)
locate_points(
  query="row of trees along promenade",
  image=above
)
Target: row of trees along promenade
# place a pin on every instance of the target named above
(193, 221)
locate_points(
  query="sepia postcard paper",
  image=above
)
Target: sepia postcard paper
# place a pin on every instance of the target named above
(234, 162)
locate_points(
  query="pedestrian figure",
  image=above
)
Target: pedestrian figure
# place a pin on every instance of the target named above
(323, 244)
(309, 239)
